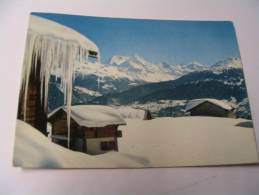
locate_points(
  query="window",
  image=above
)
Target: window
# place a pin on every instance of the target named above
(118, 133)
(108, 145)
(92, 57)
(93, 53)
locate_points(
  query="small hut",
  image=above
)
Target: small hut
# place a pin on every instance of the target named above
(94, 128)
(209, 107)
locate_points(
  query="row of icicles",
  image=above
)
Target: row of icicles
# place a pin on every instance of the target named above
(51, 51)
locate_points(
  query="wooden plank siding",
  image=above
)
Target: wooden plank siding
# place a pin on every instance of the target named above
(35, 113)
(99, 132)
(81, 133)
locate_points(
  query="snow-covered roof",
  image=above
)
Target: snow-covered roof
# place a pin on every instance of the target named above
(42, 25)
(93, 115)
(128, 112)
(193, 103)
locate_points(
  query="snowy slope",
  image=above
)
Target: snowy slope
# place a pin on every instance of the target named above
(190, 141)
(34, 150)
(139, 68)
(134, 68)
(122, 72)
(162, 142)
(163, 108)
(84, 90)
(229, 63)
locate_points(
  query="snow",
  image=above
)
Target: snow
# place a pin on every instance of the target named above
(190, 141)
(161, 142)
(129, 112)
(87, 91)
(33, 150)
(44, 26)
(156, 106)
(193, 103)
(243, 108)
(136, 68)
(117, 60)
(230, 63)
(108, 86)
(93, 115)
(56, 46)
(100, 70)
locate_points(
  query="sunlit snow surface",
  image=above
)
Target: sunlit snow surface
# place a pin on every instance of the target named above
(161, 142)
(34, 150)
(93, 115)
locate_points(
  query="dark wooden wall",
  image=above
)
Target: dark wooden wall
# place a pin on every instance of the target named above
(35, 113)
(100, 132)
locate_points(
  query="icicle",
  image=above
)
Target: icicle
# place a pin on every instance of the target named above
(98, 82)
(54, 54)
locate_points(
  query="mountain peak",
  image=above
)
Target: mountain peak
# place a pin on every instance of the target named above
(194, 62)
(118, 60)
(228, 63)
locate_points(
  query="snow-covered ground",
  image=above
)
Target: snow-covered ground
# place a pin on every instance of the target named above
(84, 90)
(190, 141)
(34, 150)
(161, 142)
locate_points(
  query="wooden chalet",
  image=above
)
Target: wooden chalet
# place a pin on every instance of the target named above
(209, 107)
(93, 129)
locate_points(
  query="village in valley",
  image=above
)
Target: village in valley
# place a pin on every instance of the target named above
(76, 112)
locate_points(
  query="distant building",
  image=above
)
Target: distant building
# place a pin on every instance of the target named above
(209, 107)
(128, 112)
(94, 128)
(147, 115)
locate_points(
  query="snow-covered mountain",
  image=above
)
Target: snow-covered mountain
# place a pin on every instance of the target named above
(135, 69)
(123, 72)
(138, 68)
(224, 81)
(117, 60)
(230, 63)
(125, 80)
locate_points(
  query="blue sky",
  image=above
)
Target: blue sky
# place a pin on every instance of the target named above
(168, 41)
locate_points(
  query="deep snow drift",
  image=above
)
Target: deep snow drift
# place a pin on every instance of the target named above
(190, 141)
(34, 150)
(161, 142)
